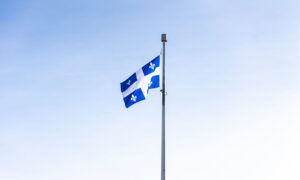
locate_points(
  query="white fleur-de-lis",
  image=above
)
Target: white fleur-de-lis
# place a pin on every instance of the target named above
(128, 83)
(150, 83)
(133, 98)
(152, 65)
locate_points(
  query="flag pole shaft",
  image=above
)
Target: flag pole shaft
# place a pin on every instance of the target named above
(163, 157)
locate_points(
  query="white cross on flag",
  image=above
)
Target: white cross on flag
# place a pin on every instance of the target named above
(135, 88)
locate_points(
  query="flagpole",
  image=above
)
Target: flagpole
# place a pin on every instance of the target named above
(163, 157)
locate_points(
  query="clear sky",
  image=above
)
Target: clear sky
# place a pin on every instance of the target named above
(233, 84)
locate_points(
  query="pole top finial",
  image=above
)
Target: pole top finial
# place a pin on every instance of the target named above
(163, 37)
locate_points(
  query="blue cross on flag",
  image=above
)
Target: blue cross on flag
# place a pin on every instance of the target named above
(135, 88)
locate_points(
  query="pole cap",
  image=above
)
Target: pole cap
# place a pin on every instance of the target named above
(163, 37)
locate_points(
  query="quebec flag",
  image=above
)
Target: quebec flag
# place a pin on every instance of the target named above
(135, 88)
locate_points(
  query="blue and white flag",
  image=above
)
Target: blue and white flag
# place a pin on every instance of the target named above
(135, 88)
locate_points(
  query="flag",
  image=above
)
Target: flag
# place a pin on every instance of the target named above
(136, 87)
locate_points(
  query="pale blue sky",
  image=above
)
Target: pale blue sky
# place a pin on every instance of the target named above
(232, 80)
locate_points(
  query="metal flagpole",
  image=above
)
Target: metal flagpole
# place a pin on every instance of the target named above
(163, 157)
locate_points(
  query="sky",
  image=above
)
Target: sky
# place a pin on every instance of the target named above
(232, 78)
